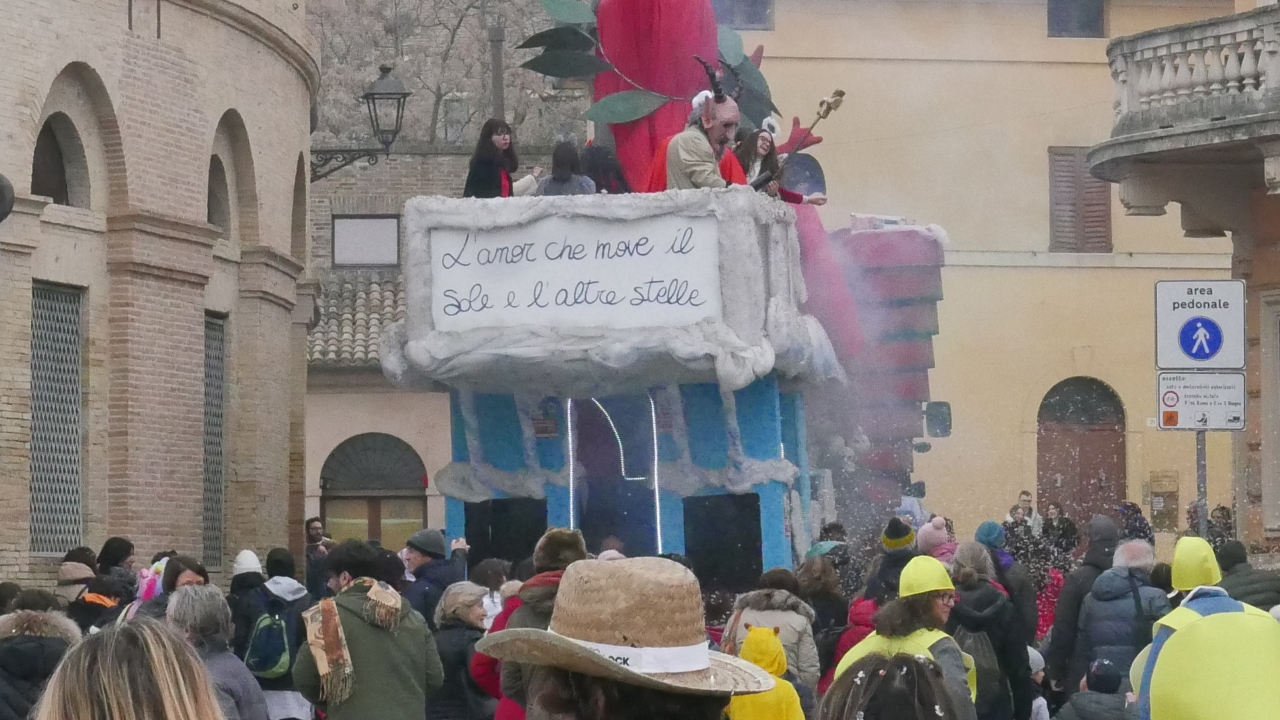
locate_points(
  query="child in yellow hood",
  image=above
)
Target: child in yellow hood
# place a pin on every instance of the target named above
(763, 648)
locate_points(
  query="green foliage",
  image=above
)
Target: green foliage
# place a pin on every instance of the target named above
(730, 43)
(565, 37)
(566, 64)
(625, 106)
(569, 11)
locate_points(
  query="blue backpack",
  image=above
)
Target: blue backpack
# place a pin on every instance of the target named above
(268, 655)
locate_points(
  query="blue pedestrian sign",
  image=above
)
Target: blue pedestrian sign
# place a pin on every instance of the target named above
(1200, 325)
(1200, 338)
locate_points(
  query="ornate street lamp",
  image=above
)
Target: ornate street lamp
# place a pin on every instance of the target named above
(384, 98)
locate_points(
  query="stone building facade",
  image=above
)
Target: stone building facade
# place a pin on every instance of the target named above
(152, 326)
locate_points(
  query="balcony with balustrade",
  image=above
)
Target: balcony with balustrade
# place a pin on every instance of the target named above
(1197, 110)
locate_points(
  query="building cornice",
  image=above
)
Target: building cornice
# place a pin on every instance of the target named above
(1143, 261)
(300, 52)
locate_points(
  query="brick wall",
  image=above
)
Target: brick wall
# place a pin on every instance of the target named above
(383, 188)
(145, 85)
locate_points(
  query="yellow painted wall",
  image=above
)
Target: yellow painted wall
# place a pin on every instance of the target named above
(951, 109)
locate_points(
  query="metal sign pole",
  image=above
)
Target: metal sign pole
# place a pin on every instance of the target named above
(1202, 485)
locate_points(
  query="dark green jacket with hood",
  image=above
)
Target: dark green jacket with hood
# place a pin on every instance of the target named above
(394, 671)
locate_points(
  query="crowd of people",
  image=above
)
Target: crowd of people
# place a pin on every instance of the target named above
(926, 625)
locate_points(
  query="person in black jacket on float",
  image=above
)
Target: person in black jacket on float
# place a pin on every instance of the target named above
(1243, 582)
(33, 639)
(494, 163)
(460, 621)
(982, 608)
(1103, 538)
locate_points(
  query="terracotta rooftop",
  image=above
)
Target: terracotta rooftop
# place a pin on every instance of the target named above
(354, 304)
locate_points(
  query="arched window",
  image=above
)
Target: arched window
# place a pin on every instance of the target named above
(298, 239)
(1081, 448)
(373, 487)
(219, 205)
(58, 166)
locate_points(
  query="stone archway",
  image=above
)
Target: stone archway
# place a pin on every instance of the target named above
(1080, 448)
(373, 487)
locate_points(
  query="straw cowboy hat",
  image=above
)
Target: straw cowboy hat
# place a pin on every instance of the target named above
(637, 621)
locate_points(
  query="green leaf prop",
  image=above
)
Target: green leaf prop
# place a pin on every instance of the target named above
(755, 102)
(565, 37)
(625, 106)
(566, 64)
(569, 11)
(730, 43)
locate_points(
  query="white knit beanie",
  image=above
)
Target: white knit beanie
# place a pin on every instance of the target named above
(246, 562)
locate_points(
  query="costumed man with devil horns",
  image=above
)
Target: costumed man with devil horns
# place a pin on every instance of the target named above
(696, 157)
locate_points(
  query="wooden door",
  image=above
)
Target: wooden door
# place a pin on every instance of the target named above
(1080, 448)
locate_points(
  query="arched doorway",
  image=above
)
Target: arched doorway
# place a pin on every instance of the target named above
(1080, 449)
(373, 487)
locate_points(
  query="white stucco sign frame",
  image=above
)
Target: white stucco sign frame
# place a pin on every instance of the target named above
(738, 249)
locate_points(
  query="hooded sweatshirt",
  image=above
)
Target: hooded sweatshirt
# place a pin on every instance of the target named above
(763, 649)
(278, 594)
(1103, 538)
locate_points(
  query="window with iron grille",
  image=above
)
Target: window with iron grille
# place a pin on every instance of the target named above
(57, 415)
(1079, 204)
(744, 14)
(215, 357)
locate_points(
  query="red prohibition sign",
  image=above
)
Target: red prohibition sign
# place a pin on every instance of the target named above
(1170, 398)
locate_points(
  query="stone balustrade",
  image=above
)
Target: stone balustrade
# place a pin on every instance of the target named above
(1197, 73)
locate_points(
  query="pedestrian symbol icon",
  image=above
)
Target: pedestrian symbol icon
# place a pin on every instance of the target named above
(1200, 338)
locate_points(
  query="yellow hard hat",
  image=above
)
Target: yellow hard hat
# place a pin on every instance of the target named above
(1194, 564)
(924, 574)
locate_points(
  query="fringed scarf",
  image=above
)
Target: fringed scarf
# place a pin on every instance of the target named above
(328, 642)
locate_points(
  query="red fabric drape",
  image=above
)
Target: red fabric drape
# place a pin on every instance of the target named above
(830, 300)
(653, 42)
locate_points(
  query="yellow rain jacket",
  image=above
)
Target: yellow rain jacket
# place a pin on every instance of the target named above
(763, 648)
(929, 643)
(1214, 657)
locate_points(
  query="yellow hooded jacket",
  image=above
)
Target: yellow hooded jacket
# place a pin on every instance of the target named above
(763, 648)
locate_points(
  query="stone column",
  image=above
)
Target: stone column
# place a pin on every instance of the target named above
(158, 268)
(262, 362)
(303, 316)
(19, 237)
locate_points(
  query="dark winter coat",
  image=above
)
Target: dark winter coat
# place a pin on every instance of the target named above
(233, 680)
(89, 615)
(429, 583)
(1061, 534)
(282, 595)
(128, 580)
(524, 683)
(980, 607)
(484, 178)
(883, 586)
(1259, 588)
(849, 568)
(1108, 620)
(460, 698)
(1016, 579)
(394, 671)
(31, 646)
(1090, 705)
(830, 611)
(1103, 537)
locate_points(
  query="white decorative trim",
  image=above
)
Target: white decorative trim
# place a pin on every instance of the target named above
(760, 283)
(651, 660)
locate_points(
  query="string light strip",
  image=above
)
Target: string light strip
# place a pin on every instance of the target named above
(572, 459)
(657, 492)
(622, 455)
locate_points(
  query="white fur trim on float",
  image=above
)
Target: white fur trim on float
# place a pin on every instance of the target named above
(651, 660)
